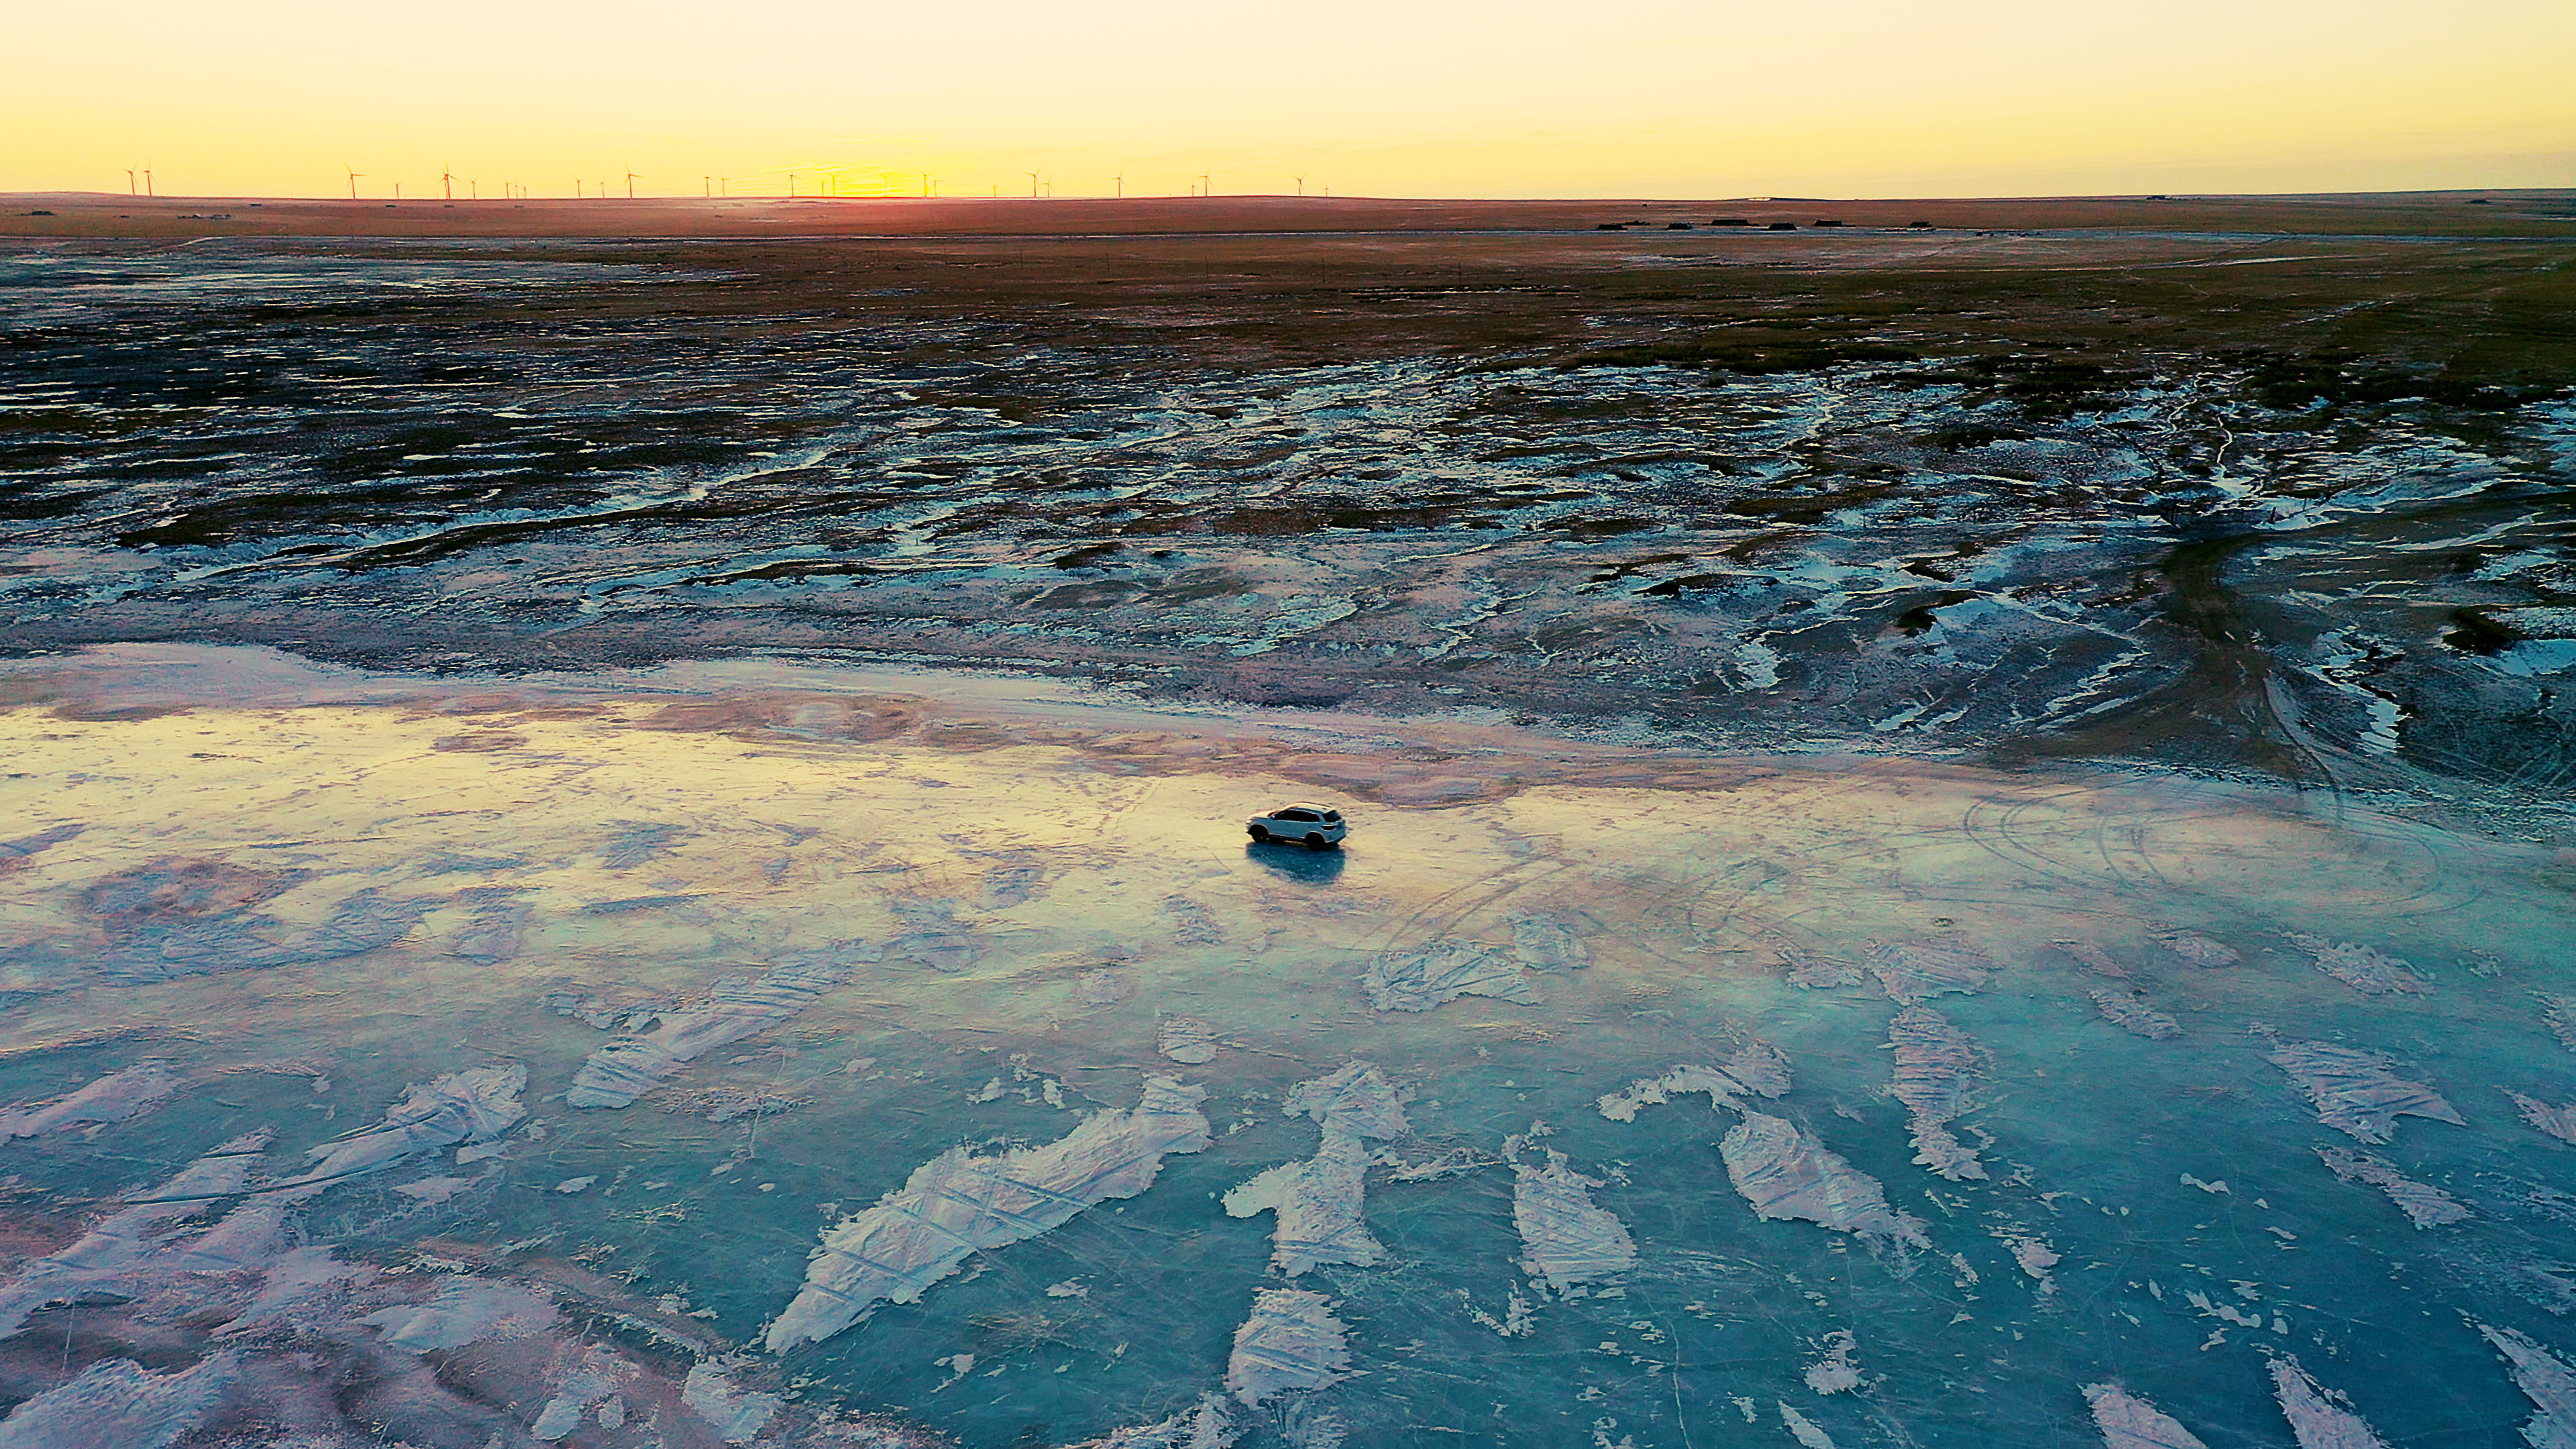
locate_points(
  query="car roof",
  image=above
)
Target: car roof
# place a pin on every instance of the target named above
(1305, 805)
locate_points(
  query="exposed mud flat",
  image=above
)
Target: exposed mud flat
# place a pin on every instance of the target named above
(933, 1098)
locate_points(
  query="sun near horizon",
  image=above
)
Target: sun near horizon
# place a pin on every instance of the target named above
(1153, 98)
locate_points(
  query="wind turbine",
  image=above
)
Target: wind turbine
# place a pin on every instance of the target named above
(447, 183)
(1120, 180)
(147, 180)
(630, 183)
(1033, 184)
(791, 183)
(1301, 186)
(1207, 187)
(473, 189)
(354, 174)
(707, 182)
(132, 187)
(927, 189)
(1050, 186)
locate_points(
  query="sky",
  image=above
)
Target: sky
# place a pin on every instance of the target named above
(1436, 98)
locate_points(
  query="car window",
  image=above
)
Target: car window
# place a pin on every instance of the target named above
(1297, 815)
(1334, 815)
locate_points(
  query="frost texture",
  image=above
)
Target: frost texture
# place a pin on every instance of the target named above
(2558, 1122)
(1186, 1040)
(1565, 1239)
(2357, 1092)
(2547, 1381)
(112, 1098)
(2129, 1011)
(1910, 971)
(2320, 1417)
(1319, 1200)
(463, 1311)
(1835, 1373)
(1292, 1341)
(1761, 1068)
(1937, 1076)
(1785, 1173)
(1758, 1068)
(959, 1203)
(1441, 972)
(1809, 971)
(1208, 1426)
(1680, 1081)
(468, 1106)
(2424, 1205)
(1545, 943)
(627, 1068)
(737, 1414)
(2129, 1422)
(114, 1402)
(2370, 972)
(2560, 1013)
(2198, 950)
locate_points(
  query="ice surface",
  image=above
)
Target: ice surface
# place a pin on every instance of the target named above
(115, 1403)
(2364, 969)
(468, 1106)
(112, 1098)
(2095, 959)
(2425, 1205)
(1804, 1430)
(2357, 1091)
(1911, 971)
(1319, 1200)
(128, 1249)
(960, 1203)
(627, 1068)
(737, 1414)
(1290, 1342)
(2546, 1380)
(1621, 1106)
(2129, 1422)
(2319, 1416)
(465, 1310)
(2197, 949)
(1785, 1173)
(2032, 1255)
(2560, 1013)
(1835, 1373)
(2129, 1011)
(1208, 1426)
(1938, 1076)
(2558, 1122)
(1356, 1098)
(1419, 980)
(1547, 943)
(1761, 1068)
(1813, 971)
(1186, 1040)
(1565, 1238)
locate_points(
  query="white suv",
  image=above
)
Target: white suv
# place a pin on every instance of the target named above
(1318, 827)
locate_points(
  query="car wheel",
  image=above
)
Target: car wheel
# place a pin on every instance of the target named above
(1260, 836)
(1316, 842)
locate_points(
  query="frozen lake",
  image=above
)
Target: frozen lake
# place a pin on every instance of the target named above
(751, 1051)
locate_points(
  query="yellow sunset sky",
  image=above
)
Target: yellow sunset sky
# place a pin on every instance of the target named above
(1363, 97)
